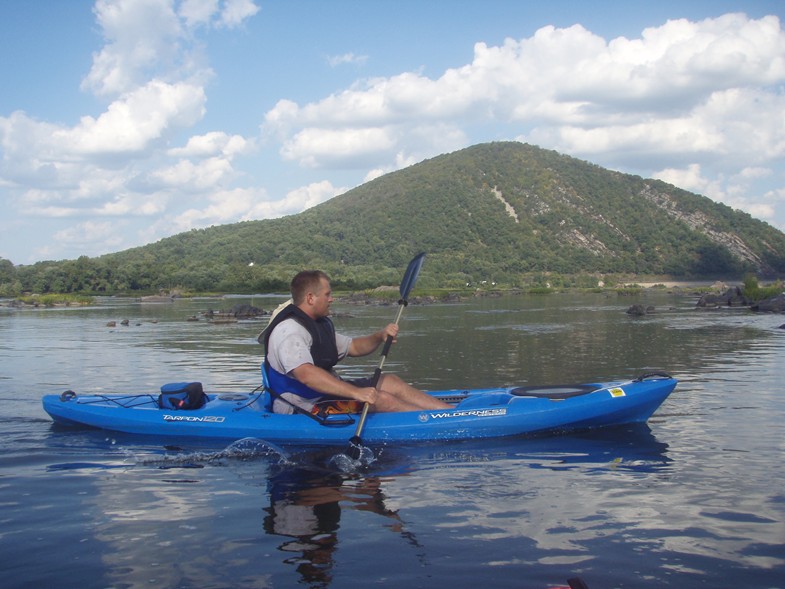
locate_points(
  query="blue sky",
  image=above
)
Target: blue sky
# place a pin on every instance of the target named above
(126, 121)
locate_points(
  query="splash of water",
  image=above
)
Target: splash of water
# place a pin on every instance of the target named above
(248, 448)
(240, 450)
(345, 463)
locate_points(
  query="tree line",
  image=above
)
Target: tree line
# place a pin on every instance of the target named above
(507, 212)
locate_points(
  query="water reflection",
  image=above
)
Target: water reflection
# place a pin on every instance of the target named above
(308, 512)
(501, 500)
(632, 448)
(305, 509)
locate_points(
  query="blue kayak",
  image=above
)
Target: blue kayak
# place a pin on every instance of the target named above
(477, 413)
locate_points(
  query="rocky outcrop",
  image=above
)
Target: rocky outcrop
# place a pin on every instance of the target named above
(733, 297)
(244, 311)
(771, 305)
(639, 310)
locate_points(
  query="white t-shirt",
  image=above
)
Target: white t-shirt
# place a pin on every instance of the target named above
(289, 347)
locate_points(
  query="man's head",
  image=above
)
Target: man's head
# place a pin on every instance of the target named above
(311, 292)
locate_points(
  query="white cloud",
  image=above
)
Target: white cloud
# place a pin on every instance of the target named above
(111, 164)
(246, 204)
(224, 206)
(315, 147)
(683, 87)
(430, 140)
(688, 178)
(141, 36)
(145, 205)
(197, 12)
(346, 58)
(680, 61)
(213, 143)
(86, 237)
(300, 199)
(187, 176)
(776, 195)
(145, 39)
(235, 12)
(60, 205)
(86, 232)
(754, 173)
(67, 171)
(225, 14)
(29, 158)
(83, 235)
(205, 163)
(718, 188)
(763, 211)
(138, 118)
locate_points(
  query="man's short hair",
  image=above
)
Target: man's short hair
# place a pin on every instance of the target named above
(305, 282)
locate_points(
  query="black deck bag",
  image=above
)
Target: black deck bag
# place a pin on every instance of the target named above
(182, 395)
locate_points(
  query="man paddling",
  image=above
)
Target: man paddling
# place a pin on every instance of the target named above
(302, 348)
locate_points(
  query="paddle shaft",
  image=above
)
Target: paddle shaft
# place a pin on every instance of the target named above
(377, 374)
(407, 284)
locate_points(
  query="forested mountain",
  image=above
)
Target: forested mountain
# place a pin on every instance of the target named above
(502, 212)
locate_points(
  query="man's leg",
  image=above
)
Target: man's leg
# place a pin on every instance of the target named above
(409, 395)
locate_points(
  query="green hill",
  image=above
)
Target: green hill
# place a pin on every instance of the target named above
(498, 211)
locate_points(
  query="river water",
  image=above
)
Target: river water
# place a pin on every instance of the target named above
(695, 498)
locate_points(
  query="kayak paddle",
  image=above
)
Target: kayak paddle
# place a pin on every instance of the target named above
(407, 284)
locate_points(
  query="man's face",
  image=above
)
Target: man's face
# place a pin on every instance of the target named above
(321, 299)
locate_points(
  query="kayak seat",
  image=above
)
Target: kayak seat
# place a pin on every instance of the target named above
(555, 392)
(266, 399)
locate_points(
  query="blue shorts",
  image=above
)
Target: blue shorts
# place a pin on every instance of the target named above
(361, 382)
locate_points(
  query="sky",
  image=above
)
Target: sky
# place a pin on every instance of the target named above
(126, 121)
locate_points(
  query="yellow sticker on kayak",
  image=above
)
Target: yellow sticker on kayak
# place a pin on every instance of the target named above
(616, 392)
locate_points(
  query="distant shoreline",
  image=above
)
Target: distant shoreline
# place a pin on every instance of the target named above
(686, 284)
(54, 300)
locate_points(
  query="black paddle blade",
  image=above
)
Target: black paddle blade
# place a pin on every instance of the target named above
(354, 451)
(411, 274)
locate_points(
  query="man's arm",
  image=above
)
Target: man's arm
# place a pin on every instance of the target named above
(362, 346)
(322, 381)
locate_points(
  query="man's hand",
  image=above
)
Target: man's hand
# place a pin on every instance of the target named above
(367, 395)
(362, 346)
(390, 330)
